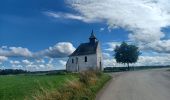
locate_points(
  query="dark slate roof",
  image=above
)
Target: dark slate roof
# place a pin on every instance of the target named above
(85, 49)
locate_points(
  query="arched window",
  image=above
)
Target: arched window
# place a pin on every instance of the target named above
(72, 60)
(85, 59)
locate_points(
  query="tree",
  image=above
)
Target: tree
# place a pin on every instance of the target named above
(126, 54)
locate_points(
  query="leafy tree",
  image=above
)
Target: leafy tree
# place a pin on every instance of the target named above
(126, 54)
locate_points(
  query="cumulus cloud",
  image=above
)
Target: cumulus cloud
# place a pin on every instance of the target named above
(106, 55)
(15, 66)
(109, 62)
(40, 61)
(51, 61)
(62, 62)
(36, 61)
(27, 62)
(51, 64)
(3, 58)
(15, 52)
(112, 45)
(143, 18)
(62, 49)
(14, 62)
(161, 46)
(153, 60)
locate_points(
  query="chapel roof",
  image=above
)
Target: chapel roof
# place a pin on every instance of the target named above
(87, 48)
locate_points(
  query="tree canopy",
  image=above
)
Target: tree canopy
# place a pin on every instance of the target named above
(126, 53)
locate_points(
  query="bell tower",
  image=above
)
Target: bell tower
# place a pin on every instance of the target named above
(92, 38)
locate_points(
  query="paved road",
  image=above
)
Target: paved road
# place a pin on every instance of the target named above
(138, 85)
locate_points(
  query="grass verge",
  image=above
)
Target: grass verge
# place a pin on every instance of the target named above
(85, 88)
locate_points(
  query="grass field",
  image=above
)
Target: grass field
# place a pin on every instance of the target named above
(19, 87)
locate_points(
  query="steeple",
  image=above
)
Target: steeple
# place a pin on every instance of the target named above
(92, 38)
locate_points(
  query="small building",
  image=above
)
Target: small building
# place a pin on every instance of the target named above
(86, 56)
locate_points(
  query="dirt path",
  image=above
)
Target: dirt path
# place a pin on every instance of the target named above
(138, 85)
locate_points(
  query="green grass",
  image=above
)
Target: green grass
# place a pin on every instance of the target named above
(19, 87)
(100, 83)
(85, 88)
(31, 87)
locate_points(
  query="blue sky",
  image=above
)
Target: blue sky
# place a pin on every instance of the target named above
(31, 31)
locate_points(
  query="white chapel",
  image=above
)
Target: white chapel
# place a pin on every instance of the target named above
(86, 56)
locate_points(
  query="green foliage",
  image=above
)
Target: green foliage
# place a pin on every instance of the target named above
(126, 53)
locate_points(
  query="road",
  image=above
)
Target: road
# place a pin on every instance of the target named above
(138, 85)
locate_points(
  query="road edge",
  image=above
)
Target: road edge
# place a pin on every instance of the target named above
(98, 95)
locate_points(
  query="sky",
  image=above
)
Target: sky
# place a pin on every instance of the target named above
(39, 35)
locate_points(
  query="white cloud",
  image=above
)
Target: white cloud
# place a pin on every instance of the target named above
(40, 61)
(42, 65)
(112, 45)
(62, 62)
(51, 60)
(153, 60)
(14, 62)
(143, 18)
(3, 58)
(19, 51)
(106, 55)
(61, 15)
(102, 29)
(15, 52)
(109, 63)
(61, 49)
(161, 46)
(27, 62)
(53, 14)
(15, 66)
(142, 61)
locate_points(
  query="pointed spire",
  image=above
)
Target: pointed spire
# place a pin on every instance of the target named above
(92, 31)
(92, 38)
(92, 35)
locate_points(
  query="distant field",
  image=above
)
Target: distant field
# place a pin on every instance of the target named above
(19, 87)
